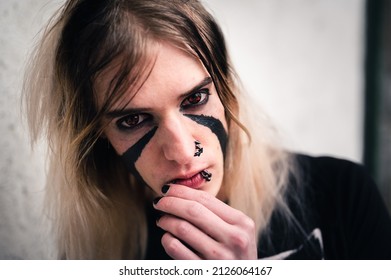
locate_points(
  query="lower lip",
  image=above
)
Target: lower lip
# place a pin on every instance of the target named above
(194, 182)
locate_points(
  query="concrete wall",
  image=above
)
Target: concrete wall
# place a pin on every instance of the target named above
(302, 59)
(23, 230)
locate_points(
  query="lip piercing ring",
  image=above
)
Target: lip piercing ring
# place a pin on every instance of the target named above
(198, 149)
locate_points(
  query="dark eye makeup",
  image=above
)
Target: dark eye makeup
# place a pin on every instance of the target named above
(195, 99)
(137, 120)
(132, 121)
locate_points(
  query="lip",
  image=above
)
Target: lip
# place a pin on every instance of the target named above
(194, 181)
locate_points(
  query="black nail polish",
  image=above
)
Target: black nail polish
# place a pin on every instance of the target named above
(156, 200)
(165, 188)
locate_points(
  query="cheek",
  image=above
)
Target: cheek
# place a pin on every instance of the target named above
(215, 125)
(133, 154)
(148, 170)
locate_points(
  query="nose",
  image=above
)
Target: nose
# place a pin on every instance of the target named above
(176, 139)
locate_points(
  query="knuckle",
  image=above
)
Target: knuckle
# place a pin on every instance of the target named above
(170, 244)
(183, 228)
(240, 241)
(216, 254)
(220, 254)
(204, 198)
(195, 209)
(241, 238)
(245, 222)
(249, 225)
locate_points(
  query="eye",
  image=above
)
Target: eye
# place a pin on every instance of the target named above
(196, 99)
(132, 121)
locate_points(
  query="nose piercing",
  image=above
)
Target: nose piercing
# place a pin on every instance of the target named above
(198, 149)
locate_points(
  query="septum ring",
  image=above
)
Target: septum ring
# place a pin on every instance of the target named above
(198, 149)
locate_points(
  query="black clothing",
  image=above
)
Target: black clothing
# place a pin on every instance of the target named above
(343, 216)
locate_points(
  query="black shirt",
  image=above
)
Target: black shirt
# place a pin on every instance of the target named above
(338, 214)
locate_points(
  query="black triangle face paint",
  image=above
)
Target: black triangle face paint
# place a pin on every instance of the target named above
(133, 153)
(215, 126)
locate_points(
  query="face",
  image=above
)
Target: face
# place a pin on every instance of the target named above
(173, 130)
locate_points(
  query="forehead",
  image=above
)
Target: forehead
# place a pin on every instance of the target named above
(174, 73)
(168, 70)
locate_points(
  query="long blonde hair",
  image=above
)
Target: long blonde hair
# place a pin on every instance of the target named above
(96, 206)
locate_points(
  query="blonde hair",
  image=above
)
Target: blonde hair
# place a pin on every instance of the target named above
(89, 192)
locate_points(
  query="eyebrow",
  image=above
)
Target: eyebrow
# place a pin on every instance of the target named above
(122, 112)
(203, 83)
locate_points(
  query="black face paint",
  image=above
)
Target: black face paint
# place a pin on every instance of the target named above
(133, 153)
(215, 126)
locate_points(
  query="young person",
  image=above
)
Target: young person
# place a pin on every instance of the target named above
(154, 152)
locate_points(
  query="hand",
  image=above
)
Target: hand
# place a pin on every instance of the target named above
(210, 228)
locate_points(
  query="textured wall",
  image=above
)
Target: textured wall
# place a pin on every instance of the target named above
(300, 58)
(23, 234)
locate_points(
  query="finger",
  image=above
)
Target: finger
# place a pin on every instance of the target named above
(221, 209)
(176, 250)
(197, 214)
(197, 240)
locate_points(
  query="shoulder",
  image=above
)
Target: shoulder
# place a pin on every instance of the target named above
(347, 206)
(336, 186)
(329, 166)
(330, 175)
(338, 213)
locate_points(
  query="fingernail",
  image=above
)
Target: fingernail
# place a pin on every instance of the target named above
(156, 200)
(158, 218)
(165, 188)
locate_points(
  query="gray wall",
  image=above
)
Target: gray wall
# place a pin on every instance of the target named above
(23, 230)
(301, 59)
